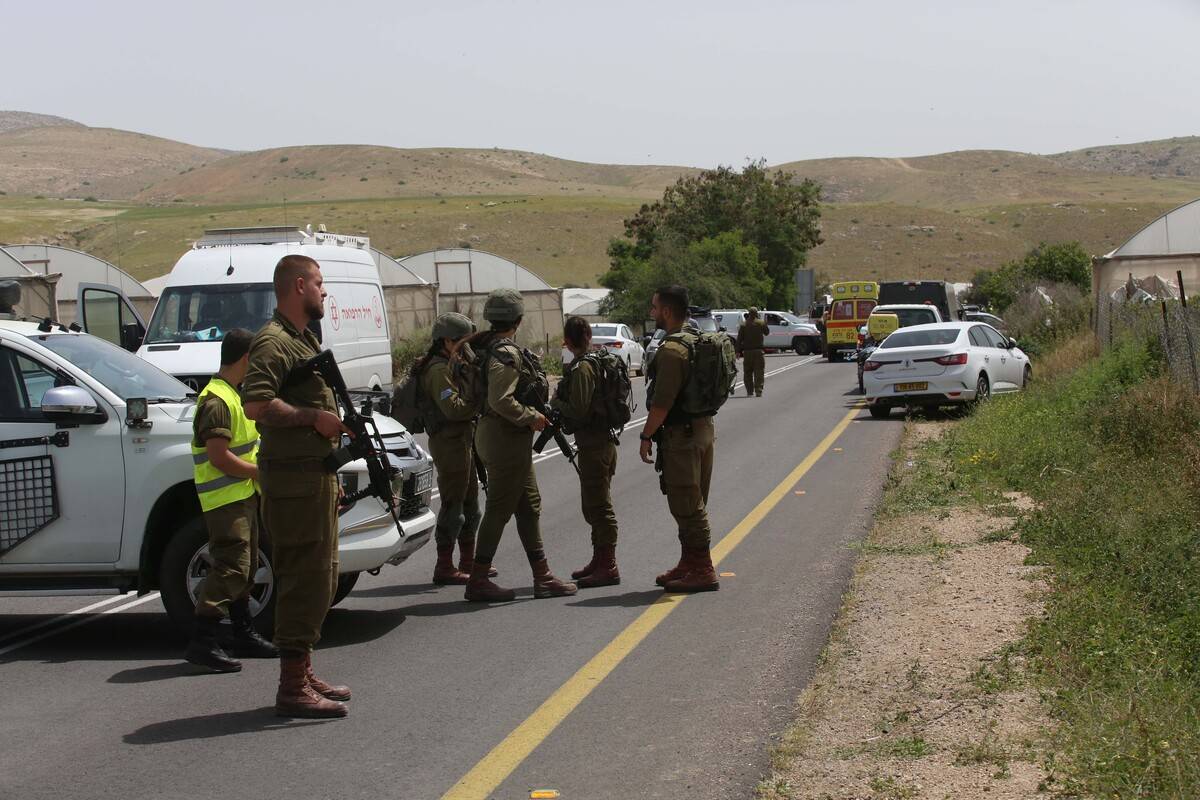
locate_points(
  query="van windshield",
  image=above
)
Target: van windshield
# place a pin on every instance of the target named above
(207, 313)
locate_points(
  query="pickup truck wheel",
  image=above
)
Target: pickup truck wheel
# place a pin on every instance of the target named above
(879, 411)
(345, 586)
(186, 562)
(801, 345)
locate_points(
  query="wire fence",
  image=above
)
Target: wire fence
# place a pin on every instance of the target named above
(1175, 324)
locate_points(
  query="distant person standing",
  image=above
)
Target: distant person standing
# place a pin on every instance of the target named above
(685, 441)
(750, 337)
(589, 398)
(298, 422)
(224, 452)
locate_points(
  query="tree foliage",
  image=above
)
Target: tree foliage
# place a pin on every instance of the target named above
(1064, 263)
(768, 215)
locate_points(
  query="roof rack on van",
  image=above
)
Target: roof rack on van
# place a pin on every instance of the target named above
(278, 234)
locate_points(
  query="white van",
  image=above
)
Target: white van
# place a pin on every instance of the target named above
(224, 282)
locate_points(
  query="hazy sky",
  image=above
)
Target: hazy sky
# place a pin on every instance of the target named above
(696, 83)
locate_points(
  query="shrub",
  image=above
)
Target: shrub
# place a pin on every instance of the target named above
(407, 351)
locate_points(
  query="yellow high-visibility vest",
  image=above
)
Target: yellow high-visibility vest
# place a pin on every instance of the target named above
(214, 487)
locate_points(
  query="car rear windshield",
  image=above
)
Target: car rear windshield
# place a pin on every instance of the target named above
(924, 338)
(911, 316)
(705, 323)
(207, 313)
(604, 330)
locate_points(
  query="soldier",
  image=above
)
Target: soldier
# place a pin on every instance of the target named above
(224, 450)
(597, 453)
(298, 422)
(750, 337)
(450, 423)
(505, 442)
(685, 444)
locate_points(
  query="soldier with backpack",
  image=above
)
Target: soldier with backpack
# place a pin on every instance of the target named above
(593, 398)
(505, 441)
(689, 380)
(431, 400)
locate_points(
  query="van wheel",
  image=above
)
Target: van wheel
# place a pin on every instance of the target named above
(345, 586)
(186, 562)
(802, 346)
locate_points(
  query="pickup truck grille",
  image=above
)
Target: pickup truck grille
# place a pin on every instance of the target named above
(418, 492)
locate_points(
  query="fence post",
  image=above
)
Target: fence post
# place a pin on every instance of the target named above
(1182, 293)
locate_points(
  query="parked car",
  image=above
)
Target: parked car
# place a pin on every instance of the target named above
(617, 339)
(947, 363)
(96, 445)
(986, 318)
(789, 332)
(906, 315)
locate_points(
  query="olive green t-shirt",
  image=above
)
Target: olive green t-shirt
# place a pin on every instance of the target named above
(581, 385)
(438, 386)
(671, 368)
(212, 420)
(277, 349)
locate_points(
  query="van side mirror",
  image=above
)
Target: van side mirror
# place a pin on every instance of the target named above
(72, 405)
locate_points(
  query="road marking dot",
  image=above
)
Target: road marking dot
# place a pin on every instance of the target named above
(837, 449)
(799, 491)
(728, 574)
(538, 794)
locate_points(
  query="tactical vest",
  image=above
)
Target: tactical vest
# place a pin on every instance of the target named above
(531, 378)
(214, 487)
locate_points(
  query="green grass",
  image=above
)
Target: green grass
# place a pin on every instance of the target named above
(1112, 453)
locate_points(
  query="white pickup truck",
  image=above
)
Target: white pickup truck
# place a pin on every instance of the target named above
(96, 490)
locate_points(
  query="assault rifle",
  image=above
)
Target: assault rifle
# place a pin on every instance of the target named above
(367, 443)
(553, 429)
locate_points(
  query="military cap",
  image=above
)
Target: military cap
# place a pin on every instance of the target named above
(504, 305)
(452, 325)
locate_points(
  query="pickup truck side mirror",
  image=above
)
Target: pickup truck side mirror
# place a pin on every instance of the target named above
(132, 335)
(72, 405)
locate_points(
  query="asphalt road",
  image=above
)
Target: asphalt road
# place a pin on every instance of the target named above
(615, 692)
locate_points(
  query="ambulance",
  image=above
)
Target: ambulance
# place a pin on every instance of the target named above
(849, 310)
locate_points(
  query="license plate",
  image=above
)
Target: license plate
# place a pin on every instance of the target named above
(424, 481)
(912, 387)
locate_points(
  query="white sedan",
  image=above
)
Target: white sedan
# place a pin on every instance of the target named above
(618, 340)
(946, 363)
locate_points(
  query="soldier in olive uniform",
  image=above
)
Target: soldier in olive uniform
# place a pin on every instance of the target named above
(505, 442)
(298, 423)
(451, 430)
(224, 451)
(750, 337)
(686, 445)
(597, 456)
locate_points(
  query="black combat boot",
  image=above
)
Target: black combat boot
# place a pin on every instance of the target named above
(204, 651)
(247, 642)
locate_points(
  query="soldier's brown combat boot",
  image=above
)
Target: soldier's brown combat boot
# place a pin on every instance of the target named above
(588, 568)
(701, 576)
(327, 690)
(296, 698)
(546, 585)
(444, 573)
(676, 572)
(482, 590)
(466, 557)
(604, 569)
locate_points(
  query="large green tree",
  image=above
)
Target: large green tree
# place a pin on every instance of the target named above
(772, 212)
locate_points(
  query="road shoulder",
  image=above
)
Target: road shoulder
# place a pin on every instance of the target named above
(921, 690)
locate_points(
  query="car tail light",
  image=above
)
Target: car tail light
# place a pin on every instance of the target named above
(861, 339)
(616, 345)
(950, 361)
(870, 366)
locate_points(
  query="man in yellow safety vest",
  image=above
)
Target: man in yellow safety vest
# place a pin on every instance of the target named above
(224, 455)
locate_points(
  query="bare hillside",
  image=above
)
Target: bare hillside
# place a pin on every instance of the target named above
(350, 171)
(68, 161)
(16, 120)
(1178, 157)
(974, 178)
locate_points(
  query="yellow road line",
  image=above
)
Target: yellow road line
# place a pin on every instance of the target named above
(505, 757)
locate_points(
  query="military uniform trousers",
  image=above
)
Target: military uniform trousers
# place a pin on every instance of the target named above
(458, 485)
(754, 365)
(686, 475)
(597, 466)
(233, 547)
(300, 511)
(507, 453)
